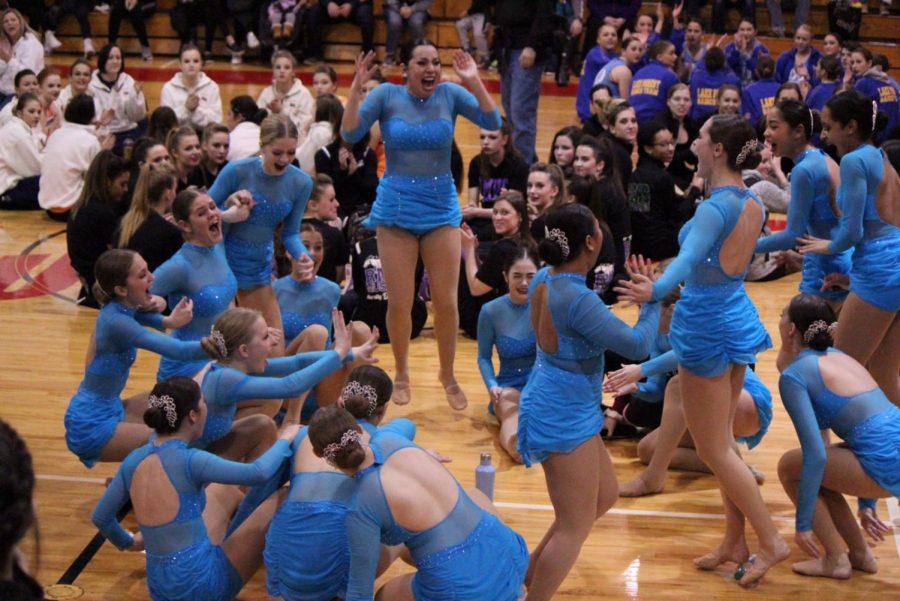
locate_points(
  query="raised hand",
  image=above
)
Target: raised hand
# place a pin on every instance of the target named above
(467, 238)
(304, 268)
(289, 433)
(639, 289)
(365, 69)
(181, 315)
(276, 336)
(676, 10)
(366, 351)
(464, 65)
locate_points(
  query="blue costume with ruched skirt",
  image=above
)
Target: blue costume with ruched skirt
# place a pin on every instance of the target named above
(560, 406)
(280, 199)
(303, 304)
(875, 275)
(759, 392)
(96, 409)
(201, 274)
(867, 422)
(284, 378)
(182, 563)
(811, 212)
(417, 192)
(311, 524)
(470, 555)
(715, 324)
(506, 325)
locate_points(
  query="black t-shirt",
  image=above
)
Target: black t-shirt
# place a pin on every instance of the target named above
(510, 174)
(351, 190)
(491, 269)
(656, 211)
(613, 209)
(88, 235)
(336, 252)
(156, 240)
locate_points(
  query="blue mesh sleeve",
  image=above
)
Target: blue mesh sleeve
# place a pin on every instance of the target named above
(364, 535)
(290, 232)
(150, 319)
(799, 209)
(465, 104)
(104, 516)
(401, 427)
(369, 111)
(205, 467)
(795, 397)
(284, 366)
(225, 185)
(659, 365)
(866, 504)
(590, 317)
(706, 226)
(261, 387)
(853, 203)
(128, 330)
(486, 349)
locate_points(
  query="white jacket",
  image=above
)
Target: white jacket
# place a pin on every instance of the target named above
(27, 53)
(70, 150)
(298, 104)
(321, 134)
(243, 141)
(128, 104)
(65, 97)
(174, 95)
(20, 155)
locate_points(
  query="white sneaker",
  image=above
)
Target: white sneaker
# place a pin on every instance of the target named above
(237, 58)
(89, 47)
(252, 40)
(146, 54)
(50, 41)
(103, 8)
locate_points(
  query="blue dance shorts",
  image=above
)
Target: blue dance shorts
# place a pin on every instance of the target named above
(762, 398)
(876, 443)
(91, 423)
(251, 262)
(816, 267)
(415, 204)
(200, 572)
(875, 275)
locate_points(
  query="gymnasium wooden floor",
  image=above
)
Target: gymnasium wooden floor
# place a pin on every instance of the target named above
(640, 550)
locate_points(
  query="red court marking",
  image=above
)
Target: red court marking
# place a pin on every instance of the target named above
(55, 278)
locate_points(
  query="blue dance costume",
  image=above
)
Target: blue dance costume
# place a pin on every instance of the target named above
(96, 409)
(249, 245)
(715, 324)
(508, 326)
(560, 406)
(284, 378)
(307, 554)
(759, 392)
(867, 422)
(306, 303)
(470, 555)
(417, 192)
(201, 274)
(810, 212)
(596, 59)
(182, 563)
(875, 274)
(604, 75)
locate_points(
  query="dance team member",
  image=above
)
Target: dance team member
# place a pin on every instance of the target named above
(416, 209)
(815, 179)
(825, 389)
(869, 199)
(181, 520)
(404, 495)
(505, 323)
(716, 332)
(100, 425)
(280, 192)
(559, 413)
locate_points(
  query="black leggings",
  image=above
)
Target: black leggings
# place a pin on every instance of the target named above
(135, 16)
(80, 8)
(187, 17)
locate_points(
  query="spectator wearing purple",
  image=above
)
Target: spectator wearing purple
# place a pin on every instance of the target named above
(706, 81)
(651, 84)
(743, 54)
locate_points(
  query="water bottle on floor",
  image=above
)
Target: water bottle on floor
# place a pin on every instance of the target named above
(484, 476)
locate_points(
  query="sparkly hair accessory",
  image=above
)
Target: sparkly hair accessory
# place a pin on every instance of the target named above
(558, 236)
(817, 327)
(347, 438)
(749, 147)
(354, 388)
(166, 403)
(219, 340)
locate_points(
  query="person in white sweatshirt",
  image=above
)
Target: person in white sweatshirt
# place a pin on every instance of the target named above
(19, 49)
(192, 94)
(323, 132)
(80, 83)
(114, 89)
(26, 82)
(20, 156)
(70, 150)
(243, 122)
(287, 95)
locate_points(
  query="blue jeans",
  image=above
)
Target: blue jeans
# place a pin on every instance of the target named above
(520, 90)
(416, 22)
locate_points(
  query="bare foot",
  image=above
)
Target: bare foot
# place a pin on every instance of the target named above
(737, 553)
(864, 561)
(829, 566)
(401, 394)
(510, 445)
(638, 487)
(764, 560)
(456, 398)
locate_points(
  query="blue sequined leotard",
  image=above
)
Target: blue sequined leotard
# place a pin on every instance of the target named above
(417, 192)
(284, 378)
(280, 199)
(202, 274)
(311, 524)
(715, 323)
(469, 555)
(303, 304)
(867, 422)
(182, 563)
(875, 275)
(560, 406)
(506, 325)
(810, 212)
(96, 409)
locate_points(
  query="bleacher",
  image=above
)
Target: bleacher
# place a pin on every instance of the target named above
(879, 33)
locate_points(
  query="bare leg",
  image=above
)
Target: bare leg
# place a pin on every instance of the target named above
(313, 338)
(399, 252)
(872, 337)
(709, 412)
(507, 411)
(248, 438)
(582, 486)
(222, 501)
(262, 298)
(397, 589)
(135, 407)
(244, 548)
(266, 407)
(328, 391)
(441, 253)
(127, 438)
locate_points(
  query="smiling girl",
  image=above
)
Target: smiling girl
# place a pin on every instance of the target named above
(191, 93)
(21, 156)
